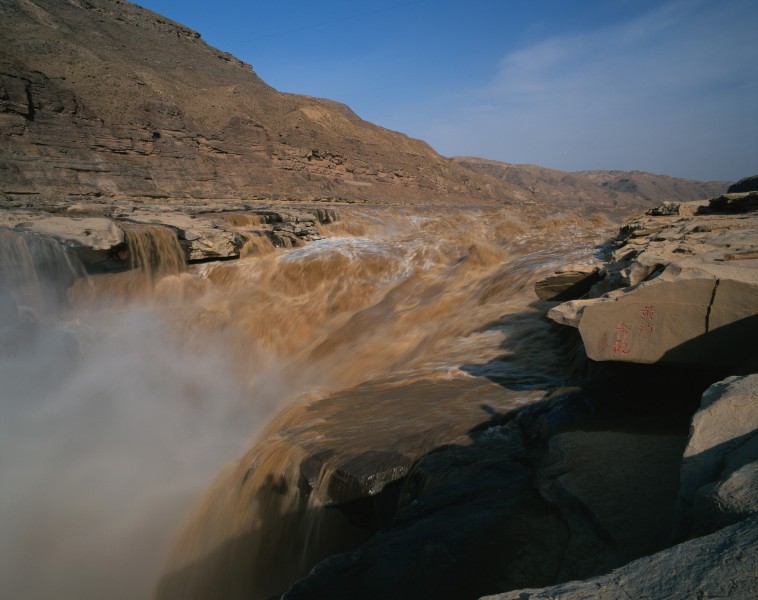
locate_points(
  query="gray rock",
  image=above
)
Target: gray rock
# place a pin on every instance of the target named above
(727, 419)
(726, 502)
(721, 565)
(480, 529)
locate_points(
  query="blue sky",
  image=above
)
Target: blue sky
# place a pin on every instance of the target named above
(663, 86)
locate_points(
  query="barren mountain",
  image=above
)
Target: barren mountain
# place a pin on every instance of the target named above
(594, 188)
(104, 98)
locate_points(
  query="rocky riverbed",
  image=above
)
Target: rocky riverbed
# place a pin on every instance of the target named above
(444, 438)
(219, 230)
(639, 481)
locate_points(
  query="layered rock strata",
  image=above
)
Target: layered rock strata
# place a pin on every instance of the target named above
(205, 230)
(144, 108)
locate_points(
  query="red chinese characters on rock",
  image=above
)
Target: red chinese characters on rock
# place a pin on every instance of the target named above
(646, 320)
(621, 345)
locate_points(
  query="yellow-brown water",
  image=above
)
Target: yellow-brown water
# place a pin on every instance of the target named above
(400, 331)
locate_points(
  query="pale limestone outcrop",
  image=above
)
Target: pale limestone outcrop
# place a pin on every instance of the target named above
(680, 287)
(96, 233)
(206, 230)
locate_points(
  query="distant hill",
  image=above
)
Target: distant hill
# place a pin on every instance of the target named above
(102, 98)
(595, 188)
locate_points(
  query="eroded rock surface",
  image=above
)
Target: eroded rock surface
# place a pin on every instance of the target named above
(591, 477)
(206, 230)
(681, 286)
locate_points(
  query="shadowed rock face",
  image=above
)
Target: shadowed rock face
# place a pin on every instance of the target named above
(717, 500)
(140, 106)
(747, 184)
(721, 565)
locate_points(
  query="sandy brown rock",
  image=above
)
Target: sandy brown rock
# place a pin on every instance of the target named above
(206, 230)
(93, 233)
(568, 282)
(681, 286)
(559, 189)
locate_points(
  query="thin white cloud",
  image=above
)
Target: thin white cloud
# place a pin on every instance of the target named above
(673, 90)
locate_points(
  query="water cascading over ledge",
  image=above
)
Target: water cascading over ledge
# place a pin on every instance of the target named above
(368, 334)
(35, 274)
(155, 251)
(388, 316)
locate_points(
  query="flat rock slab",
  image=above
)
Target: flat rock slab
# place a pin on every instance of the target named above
(89, 232)
(351, 457)
(683, 316)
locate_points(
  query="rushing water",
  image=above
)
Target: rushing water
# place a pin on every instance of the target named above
(129, 398)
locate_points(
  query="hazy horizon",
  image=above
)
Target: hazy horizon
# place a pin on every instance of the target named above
(667, 87)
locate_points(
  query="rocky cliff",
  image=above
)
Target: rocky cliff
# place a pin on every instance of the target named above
(101, 98)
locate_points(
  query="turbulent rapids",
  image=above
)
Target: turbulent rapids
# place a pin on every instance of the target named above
(206, 431)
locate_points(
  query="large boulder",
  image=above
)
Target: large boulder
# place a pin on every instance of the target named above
(681, 287)
(682, 316)
(718, 476)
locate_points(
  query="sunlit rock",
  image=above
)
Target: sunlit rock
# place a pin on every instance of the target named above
(681, 286)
